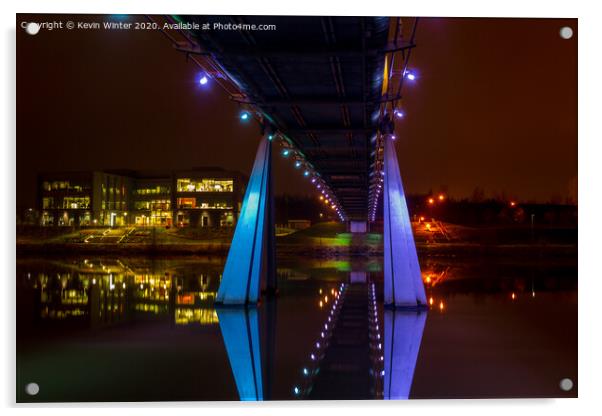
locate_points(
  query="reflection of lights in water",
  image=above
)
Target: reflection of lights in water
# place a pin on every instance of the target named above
(320, 345)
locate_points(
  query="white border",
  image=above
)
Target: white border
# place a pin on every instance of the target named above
(590, 200)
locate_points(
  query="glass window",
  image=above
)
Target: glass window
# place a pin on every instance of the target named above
(70, 202)
(153, 190)
(155, 205)
(205, 185)
(47, 203)
(186, 202)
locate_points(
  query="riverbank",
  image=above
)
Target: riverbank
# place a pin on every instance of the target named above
(316, 251)
(323, 240)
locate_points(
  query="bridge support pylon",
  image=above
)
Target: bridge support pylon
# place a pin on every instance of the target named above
(250, 265)
(403, 281)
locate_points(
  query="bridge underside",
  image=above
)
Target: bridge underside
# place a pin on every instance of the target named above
(320, 81)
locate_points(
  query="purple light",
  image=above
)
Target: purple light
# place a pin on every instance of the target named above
(399, 114)
(203, 80)
(410, 75)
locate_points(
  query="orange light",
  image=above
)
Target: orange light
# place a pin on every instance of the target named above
(428, 226)
(321, 197)
(325, 299)
(428, 279)
(421, 218)
(512, 203)
(320, 291)
(441, 197)
(431, 201)
(431, 300)
(441, 306)
(321, 304)
(513, 296)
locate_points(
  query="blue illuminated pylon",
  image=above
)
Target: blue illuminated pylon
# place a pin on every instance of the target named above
(403, 335)
(250, 264)
(240, 331)
(403, 280)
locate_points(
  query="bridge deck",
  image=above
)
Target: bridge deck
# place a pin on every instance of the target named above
(319, 79)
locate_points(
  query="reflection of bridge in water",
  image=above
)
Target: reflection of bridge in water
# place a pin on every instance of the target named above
(329, 103)
(332, 339)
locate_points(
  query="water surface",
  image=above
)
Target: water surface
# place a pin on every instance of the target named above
(133, 329)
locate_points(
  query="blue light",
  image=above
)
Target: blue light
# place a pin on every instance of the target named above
(305, 371)
(296, 390)
(399, 114)
(306, 173)
(410, 75)
(203, 80)
(297, 164)
(285, 152)
(270, 137)
(244, 116)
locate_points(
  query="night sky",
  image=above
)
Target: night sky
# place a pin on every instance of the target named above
(495, 106)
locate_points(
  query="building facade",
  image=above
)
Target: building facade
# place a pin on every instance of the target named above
(199, 197)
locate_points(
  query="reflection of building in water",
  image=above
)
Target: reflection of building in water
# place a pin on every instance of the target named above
(207, 197)
(104, 292)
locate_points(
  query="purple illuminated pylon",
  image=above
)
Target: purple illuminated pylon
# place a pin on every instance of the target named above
(403, 280)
